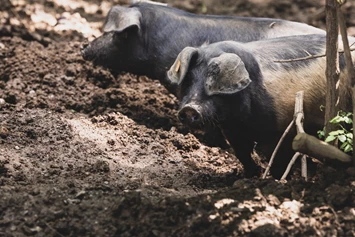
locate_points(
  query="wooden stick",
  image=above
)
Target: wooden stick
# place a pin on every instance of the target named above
(304, 167)
(293, 160)
(318, 149)
(277, 148)
(299, 116)
(307, 57)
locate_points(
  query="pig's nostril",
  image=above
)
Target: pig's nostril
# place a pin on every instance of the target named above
(189, 115)
(195, 117)
(182, 116)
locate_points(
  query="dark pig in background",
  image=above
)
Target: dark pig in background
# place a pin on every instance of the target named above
(241, 89)
(145, 39)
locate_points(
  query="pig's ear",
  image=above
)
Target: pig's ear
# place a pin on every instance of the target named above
(179, 69)
(121, 18)
(226, 75)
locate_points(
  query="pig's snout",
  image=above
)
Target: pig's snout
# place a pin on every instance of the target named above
(190, 115)
(84, 48)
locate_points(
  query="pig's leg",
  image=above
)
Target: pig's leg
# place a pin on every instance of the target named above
(243, 146)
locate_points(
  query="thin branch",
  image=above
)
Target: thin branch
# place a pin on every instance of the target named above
(304, 167)
(298, 114)
(293, 160)
(298, 119)
(277, 148)
(308, 57)
(307, 52)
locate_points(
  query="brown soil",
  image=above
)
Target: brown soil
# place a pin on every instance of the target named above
(86, 153)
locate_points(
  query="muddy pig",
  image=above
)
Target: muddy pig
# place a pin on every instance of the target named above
(241, 89)
(145, 39)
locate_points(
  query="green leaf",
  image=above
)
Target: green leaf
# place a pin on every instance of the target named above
(348, 120)
(336, 133)
(344, 134)
(336, 119)
(343, 146)
(348, 148)
(342, 138)
(321, 134)
(330, 138)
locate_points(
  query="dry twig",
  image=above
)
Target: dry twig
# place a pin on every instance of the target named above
(308, 57)
(293, 160)
(277, 148)
(298, 118)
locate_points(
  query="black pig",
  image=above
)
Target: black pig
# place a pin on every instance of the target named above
(145, 39)
(241, 89)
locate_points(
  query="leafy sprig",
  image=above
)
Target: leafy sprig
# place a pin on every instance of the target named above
(343, 135)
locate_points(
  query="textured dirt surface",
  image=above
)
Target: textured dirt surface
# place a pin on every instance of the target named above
(87, 153)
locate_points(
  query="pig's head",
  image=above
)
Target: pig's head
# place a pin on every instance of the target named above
(115, 48)
(210, 84)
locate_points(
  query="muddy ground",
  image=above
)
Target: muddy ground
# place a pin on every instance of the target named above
(86, 153)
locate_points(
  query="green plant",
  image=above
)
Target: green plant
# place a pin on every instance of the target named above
(344, 136)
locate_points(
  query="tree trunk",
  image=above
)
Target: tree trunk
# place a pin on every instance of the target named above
(332, 68)
(349, 66)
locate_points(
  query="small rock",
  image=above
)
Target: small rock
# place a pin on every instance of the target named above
(17, 147)
(31, 231)
(35, 192)
(2, 101)
(4, 132)
(36, 36)
(32, 93)
(273, 200)
(80, 194)
(214, 150)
